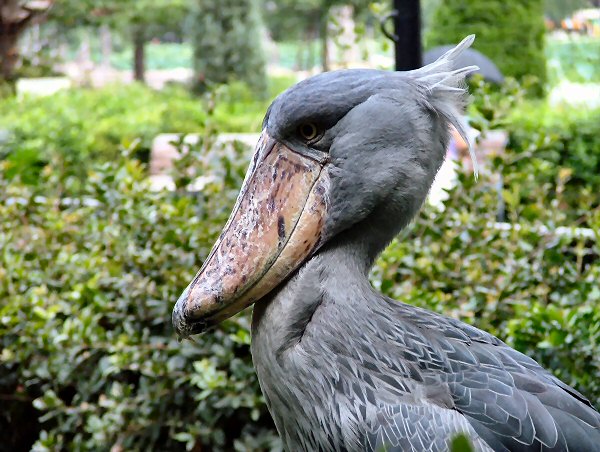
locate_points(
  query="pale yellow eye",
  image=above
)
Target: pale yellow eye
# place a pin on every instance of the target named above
(308, 131)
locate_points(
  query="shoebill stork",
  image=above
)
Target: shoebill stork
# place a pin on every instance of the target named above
(344, 162)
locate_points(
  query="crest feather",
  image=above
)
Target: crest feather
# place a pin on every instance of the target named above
(445, 89)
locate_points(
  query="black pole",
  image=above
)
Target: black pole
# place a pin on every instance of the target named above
(407, 26)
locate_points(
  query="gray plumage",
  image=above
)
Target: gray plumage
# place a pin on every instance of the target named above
(487, 68)
(344, 368)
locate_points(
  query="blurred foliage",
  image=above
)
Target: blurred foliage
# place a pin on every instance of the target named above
(460, 443)
(158, 56)
(292, 20)
(511, 34)
(120, 13)
(304, 21)
(228, 45)
(91, 266)
(576, 60)
(557, 10)
(44, 66)
(81, 127)
(557, 148)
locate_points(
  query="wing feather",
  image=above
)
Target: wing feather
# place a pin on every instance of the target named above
(507, 401)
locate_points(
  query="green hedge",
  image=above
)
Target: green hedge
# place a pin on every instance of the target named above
(81, 127)
(574, 60)
(88, 358)
(510, 33)
(557, 148)
(90, 268)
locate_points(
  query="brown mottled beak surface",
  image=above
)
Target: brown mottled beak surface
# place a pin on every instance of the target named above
(275, 225)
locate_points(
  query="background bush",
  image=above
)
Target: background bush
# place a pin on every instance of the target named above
(227, 44)
(552, 163)
(90, 269)
(85, 329)
(574, 60)
(560, 147)
(511, 33)
(80, 127)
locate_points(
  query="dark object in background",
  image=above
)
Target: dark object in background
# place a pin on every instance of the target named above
(407, 25)
(407, 33)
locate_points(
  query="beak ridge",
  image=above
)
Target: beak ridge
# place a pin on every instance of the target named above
(276, 224)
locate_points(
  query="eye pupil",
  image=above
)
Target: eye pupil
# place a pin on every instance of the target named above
(308, 131)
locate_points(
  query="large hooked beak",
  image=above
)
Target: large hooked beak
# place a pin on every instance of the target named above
(276, 224)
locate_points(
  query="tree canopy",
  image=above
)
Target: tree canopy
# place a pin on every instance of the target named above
(227, 43)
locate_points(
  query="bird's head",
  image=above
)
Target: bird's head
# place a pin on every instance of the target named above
(336, 150)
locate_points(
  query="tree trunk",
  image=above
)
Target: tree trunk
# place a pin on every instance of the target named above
(14, 20)
(9, 53)
(139, 56)
(324, 41)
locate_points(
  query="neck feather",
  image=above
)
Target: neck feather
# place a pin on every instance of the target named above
(339, 271)
(284, 315)
(291, 330)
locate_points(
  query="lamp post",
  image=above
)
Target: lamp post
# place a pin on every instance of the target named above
(407, 34)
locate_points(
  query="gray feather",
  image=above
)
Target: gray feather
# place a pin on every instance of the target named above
(343, 368)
